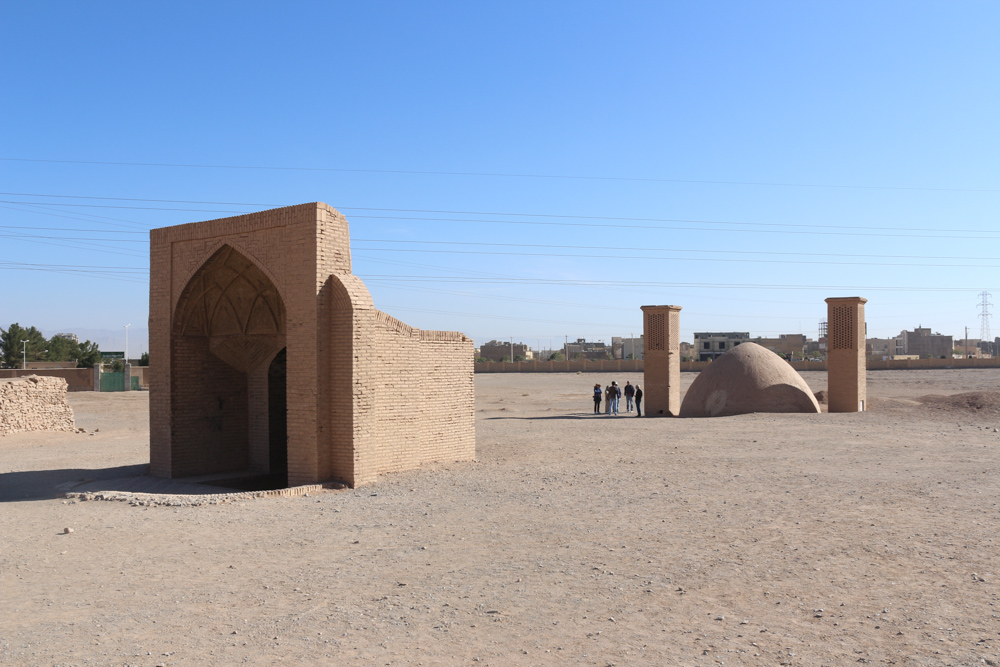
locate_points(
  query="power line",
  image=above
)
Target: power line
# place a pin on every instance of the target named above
(784, 228)
(616, 219)
(612, 219)
(675, 259)
(72, 238)
(578, 177)
(697, 250)
(86, 217)
(633, 284)
(74, 229)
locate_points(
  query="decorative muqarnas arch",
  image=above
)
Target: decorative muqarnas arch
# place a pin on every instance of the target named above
(271, 360)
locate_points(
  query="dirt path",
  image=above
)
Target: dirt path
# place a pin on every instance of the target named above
(760, 539)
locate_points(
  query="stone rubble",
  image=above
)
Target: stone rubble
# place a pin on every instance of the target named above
(34, 403)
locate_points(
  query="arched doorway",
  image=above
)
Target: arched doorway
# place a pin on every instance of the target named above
(228, 332)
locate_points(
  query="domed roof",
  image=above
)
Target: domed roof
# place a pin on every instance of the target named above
(747, 378)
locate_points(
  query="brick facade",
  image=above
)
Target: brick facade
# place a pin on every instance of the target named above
(846, 378)
(365, 393)
(662, 361)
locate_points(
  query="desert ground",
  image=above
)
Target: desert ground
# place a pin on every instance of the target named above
(762, 539)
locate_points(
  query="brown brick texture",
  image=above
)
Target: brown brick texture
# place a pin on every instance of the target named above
(366, 394)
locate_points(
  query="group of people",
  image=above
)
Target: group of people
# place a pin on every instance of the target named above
(611, 395)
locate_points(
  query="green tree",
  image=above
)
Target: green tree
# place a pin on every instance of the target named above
(12, 349)
(61, 349)
(87, 355)
(144, 359)
(557, 356)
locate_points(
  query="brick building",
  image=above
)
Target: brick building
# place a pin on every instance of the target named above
(274, 361)
(923, 343)
(786, 345)
(497, 350)
(582, 349)
(709, 345)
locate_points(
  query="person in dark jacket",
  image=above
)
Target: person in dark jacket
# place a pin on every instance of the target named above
(638, 401)
(629, 391)
(616, 394)
(597, 398)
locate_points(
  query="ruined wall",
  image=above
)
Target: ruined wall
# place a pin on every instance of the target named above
(34, 403)
(413, 394)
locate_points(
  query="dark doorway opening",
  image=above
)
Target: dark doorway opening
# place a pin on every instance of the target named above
(277, 416)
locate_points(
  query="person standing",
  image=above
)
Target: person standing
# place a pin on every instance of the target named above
(616, 393)
(597, 398)
(638, 401)
(629, 393)
(607, 399)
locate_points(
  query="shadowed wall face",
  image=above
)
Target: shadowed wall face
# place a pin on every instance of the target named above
(277, 414)
(228, 322)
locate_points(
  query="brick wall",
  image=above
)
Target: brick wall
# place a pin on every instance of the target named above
(414, 397)
(77, 379)
(356, 378)
(34, 403)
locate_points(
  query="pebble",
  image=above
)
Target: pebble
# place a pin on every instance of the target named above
(67, 531)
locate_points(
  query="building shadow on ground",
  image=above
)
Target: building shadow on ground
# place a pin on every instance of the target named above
(586, 415)
(48, 484)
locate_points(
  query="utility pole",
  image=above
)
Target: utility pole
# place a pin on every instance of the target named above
(24, 353)
(126, 342)
(566, 347)
(966, 342)
(511, 349)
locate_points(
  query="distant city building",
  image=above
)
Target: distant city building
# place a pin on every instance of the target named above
(499, 351)
(917, 344)
(970, 348)
(881, 349)
(709, 345)
(633, 348)
(991, 349)
(582, 349)
(923, 343)
(785, 345)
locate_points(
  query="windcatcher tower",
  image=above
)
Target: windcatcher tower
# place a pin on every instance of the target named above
(845, 354)
(661, 391)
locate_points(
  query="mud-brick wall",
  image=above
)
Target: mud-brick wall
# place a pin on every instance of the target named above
(414, 398)
(34, 403)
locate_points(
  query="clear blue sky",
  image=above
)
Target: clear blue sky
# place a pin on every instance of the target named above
(709, 155)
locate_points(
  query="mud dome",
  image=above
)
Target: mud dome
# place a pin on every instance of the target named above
(746, 379)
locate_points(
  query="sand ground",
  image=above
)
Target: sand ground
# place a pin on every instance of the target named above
(574, 539)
